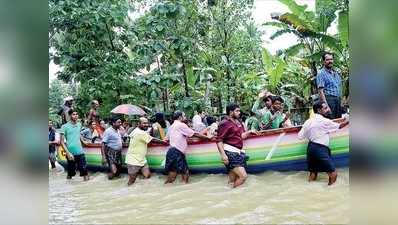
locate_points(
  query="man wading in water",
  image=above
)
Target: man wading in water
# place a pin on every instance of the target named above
(136, 154)
(231, 133)
(73, 146)
(111, 148)
(176, 162)
(317, 130)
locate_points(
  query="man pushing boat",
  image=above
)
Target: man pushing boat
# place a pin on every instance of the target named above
(138, 148)
(176, 162)
(111, 148)
(231, 133)
(317, 130)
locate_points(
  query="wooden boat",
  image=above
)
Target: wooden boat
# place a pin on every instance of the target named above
(277, 149)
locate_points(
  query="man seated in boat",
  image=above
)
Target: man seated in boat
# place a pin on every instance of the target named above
(138, 148)
(211, 130)
(230, 137)
(275, 118)
(176, 162)
(197, 121)
(123, 130)
(160, 126)
(111, 148)
(91, 134)
(252, 122)
(264, 96)
(317, 130)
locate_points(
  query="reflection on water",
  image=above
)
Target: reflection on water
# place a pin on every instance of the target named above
(270, 197)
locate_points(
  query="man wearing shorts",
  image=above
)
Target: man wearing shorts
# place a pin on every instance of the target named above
(231, 133)
(136, 154)
(178, 134)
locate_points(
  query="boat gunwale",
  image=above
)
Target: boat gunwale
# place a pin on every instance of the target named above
(262, 134)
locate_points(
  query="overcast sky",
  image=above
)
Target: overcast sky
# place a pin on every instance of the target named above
(261, 14)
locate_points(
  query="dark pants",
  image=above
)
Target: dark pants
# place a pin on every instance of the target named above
(80, 163)
(176, 162)
(52, 158)
(335, 106)
(114, 157)
(235, 160)
(319, 158)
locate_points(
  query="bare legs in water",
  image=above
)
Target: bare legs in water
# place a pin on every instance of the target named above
(171, 177)
(145, 172)
(114, 171)
(332, 177)
(312, 176)
(237, 176)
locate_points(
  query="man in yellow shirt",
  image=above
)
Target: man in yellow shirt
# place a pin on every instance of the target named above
(136, 154)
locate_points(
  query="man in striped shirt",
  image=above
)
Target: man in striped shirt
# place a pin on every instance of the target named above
(329, 86)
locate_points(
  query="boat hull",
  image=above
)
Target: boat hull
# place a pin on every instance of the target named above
(278, 150)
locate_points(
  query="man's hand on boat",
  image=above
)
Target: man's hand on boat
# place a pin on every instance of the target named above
(212, 137)
(254, 132)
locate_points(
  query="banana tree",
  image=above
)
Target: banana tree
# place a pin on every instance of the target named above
(274, 67)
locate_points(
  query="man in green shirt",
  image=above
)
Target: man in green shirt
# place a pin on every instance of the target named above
(264, 96)
(73, 147)
(275, 118)
(252, 122)
(136, 154)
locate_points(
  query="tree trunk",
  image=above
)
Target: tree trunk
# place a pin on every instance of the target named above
(314, 72)
(163, 99)
(229, 83)
(166, 100)
(109, 36)
(119, 101)
(219, 101)
(184, 72)
(207, 93)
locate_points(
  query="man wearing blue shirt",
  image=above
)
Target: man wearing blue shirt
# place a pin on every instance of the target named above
(329, 86)
(111, 149)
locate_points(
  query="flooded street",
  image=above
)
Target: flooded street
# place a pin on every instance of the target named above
(270, 197)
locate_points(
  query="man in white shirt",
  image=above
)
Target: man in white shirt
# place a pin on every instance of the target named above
(197, 121)
(316, 130)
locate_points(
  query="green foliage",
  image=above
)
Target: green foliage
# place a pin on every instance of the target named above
(89, 39)
(343, 28)
(311, 30)
(294, 49)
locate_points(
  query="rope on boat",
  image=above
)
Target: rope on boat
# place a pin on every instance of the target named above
(274, 146)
